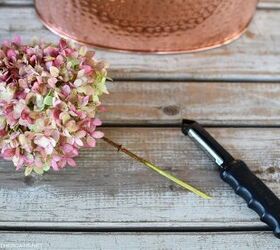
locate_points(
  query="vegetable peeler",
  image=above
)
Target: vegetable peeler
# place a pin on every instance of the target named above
(236, 173)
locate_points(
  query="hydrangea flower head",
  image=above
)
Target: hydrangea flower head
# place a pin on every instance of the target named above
(49, 96)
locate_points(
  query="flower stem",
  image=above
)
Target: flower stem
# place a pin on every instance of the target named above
(157, 169)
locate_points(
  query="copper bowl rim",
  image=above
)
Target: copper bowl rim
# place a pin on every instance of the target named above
(64, 35)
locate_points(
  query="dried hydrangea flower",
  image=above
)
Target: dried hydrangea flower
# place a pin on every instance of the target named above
(49, 95)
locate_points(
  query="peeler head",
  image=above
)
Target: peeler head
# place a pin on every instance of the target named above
(216, 151)
(186, 125)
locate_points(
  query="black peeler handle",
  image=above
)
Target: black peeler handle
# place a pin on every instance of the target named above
(235, 172)
(257, 195)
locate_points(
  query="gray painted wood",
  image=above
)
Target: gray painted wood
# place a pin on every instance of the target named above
(15, 2)
(142, 241)
(209, 102)
(269, 4)
(108, 190)
(111, 190)
(253, 57)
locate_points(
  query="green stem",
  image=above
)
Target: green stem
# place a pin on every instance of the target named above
(157, 169)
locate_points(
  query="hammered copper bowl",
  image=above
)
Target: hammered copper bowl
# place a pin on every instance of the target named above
(161, 26)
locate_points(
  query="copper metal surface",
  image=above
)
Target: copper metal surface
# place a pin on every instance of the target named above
(161, 26)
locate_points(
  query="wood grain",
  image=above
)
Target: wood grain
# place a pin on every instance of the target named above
(16, 2)
(131, 241)
(269, 4)
(209, 102)
(112, 191)
(253, 57)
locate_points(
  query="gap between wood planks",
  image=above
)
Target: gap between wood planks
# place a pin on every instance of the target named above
(134, 229)
(178, 125)
(190, 80)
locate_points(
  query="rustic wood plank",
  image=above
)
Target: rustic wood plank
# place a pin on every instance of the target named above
(110, 190)
(209, 102)
(16, 2)
(254, 57)
(269, 4)
(130, 241)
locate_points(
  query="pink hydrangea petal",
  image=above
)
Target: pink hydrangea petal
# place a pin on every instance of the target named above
(35, 86)
(66, 133)
(18, 109)
(62, 163)
(54, 165)
(83, 115)
(85, 101)
(67, 148)
(81, 73)
(71, 126)
(62, 44)
(29, 51)
(71, 162)
(51, 51)
(3, 132)
(49, 64)
(79, 142)
(74, 153)
(41, 141)
(52, 81)
(56, 102)
(91, 142)
(47, 143)
(8, 153)
(58, 61)
(56, 158)
(17, 40)
(52, 142)
(78, 82)
(97, 134)
(87, 68)
(66, 90)
(38, 162)
(56, 114)
(33, 58)
(70, 140)
(49, 149)
(80, 134)
(14, 135)
(11, 53)
(18, 161)
(47, 134)
(97, 122)
(28, 159)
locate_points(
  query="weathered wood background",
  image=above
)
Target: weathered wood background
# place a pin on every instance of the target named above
(112, 202)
